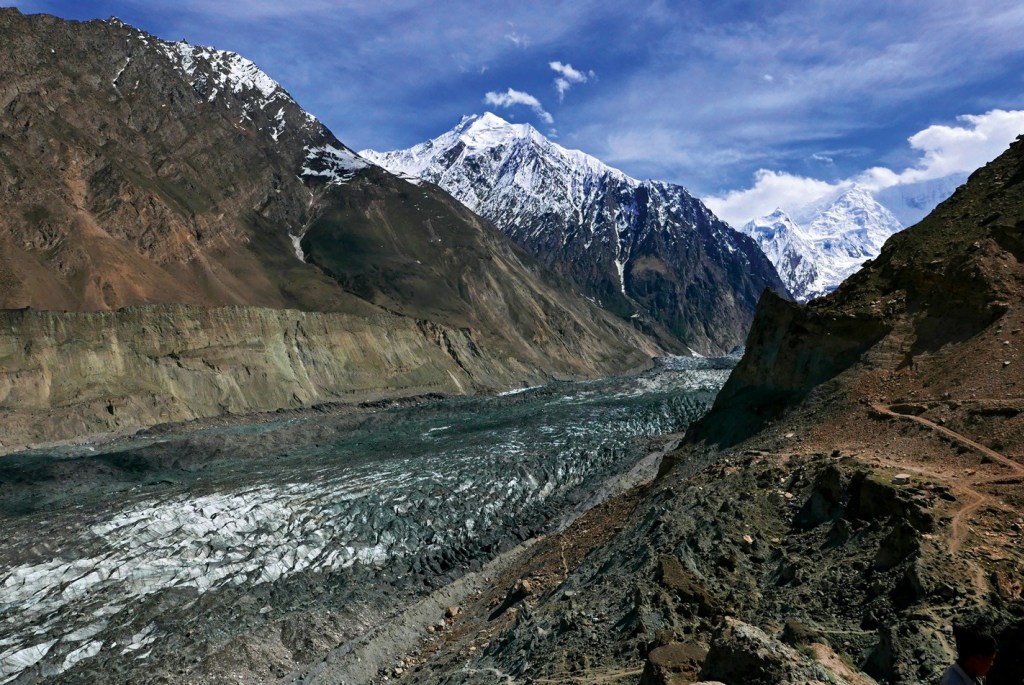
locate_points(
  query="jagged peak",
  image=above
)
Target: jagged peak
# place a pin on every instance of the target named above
(483, 132)
(235, 71)
(856, 193)
(485, 120)
(778, 216)
(490, 130)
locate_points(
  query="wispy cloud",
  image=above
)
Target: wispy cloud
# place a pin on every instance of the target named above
(705, 92)
(517, 39)
(567, 77)
(943, 150)
(893, 66)
(771, 189)
(512, 97)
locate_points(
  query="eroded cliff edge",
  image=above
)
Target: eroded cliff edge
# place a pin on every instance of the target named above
(66, 374)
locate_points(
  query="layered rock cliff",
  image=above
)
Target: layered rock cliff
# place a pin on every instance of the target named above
(64, 374)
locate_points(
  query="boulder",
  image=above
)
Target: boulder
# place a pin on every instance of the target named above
(899, 545)
(675, 578)
(674, 662)
(742, 653)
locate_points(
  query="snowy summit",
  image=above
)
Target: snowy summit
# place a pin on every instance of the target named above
(646, 250)
(815, 256)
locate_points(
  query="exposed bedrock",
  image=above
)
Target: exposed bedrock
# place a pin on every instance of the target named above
(71, 374)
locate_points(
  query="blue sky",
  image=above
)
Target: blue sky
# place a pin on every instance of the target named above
(741, 102)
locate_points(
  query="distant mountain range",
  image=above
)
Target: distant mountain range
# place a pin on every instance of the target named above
(911, 202)
(816, 247)
(815, 256)
(646, 250)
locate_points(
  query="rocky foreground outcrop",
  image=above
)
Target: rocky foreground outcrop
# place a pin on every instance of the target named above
(857, 491)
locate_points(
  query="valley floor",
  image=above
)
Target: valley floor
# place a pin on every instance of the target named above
(191, 554)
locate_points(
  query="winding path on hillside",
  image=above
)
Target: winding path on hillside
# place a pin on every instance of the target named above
(958, 527)
(958, 437)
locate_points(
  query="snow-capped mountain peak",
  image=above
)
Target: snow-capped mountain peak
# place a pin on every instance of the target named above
(484, 148)
(260, 101)
(490, 130)
(856, 209)
(814, 257)
(773, 227)
(230, 70)
(635, 247)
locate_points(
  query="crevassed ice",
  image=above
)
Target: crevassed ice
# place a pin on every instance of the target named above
(59, 610)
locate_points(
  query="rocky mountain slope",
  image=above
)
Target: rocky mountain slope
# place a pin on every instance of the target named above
(856, 492)
(139, 172)
(815, 256)
(647, 251)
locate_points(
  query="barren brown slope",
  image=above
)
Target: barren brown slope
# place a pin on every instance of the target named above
(132, 175)
(139, 172)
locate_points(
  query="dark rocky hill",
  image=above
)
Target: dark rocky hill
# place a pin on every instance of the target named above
(135, 171)
(856, 493)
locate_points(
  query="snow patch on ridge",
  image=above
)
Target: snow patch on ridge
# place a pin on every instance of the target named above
(336, 165)
(297, 244)
(230, 70)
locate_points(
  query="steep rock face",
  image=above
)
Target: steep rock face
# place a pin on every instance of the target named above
(813, 258)
(67, 374)
(648, 251)
(914, 315)
(135, 171)
(130, 177)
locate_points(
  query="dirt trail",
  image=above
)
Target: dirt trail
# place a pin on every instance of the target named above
(959, 528)
(610, 677)
(963, 439)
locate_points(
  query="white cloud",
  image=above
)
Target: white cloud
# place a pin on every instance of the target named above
(513, 97)
(771, 189)
(517, 39)
(951, 149)
(568, 76)
(945, 150)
